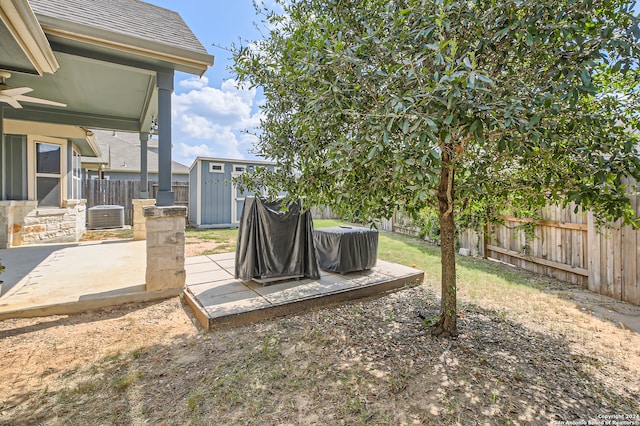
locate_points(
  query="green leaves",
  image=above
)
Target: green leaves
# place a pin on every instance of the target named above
(363, 99)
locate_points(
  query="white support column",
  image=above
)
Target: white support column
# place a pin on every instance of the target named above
(165, 196)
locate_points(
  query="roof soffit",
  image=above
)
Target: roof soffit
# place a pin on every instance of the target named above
(20, 21)
(83, 138)
(98, 94)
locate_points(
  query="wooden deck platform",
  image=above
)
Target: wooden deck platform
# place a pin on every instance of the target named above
(218, 299)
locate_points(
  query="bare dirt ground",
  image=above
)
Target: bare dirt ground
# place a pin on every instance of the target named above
(547, 361)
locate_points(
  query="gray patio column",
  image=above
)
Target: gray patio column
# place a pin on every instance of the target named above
(165, 196)
(3, 193)
(144, 183)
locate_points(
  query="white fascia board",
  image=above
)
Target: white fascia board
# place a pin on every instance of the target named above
(184, 60)
(237, 161)
(63, 131)
(25, 28)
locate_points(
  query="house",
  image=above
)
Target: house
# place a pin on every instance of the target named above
(67, 66)
(214, 199)
(120, 159)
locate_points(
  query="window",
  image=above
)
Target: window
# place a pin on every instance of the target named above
(48, 176)
(76, 176)
(239, 169)
(216, 168)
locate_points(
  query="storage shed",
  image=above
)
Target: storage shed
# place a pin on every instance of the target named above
(214, 200)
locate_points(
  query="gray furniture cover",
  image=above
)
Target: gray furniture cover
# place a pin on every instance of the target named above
(274, 241)
(345, 249)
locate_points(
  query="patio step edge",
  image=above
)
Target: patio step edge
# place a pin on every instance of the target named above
(315, 302)
(81, 306)
(196, 308)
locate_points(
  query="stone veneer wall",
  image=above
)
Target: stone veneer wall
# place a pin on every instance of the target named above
(139, 221)
(165, 247)
(26, 224)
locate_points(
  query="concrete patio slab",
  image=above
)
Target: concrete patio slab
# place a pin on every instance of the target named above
(218, 300)
(196, 259)
(69, 278)
(204, 267)
(222, 256)
(206, 276)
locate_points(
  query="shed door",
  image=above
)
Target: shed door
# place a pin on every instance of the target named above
(237, 196)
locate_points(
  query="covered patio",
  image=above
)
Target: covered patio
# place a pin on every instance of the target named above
(71, 66)
(67, 67)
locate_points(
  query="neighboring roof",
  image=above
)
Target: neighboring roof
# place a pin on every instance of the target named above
(231, 160)
(127, 25)
(121, 153)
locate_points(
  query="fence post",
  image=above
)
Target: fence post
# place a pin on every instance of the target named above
(485, 241)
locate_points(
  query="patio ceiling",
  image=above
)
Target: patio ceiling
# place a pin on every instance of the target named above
(107, 79)
(98, 93)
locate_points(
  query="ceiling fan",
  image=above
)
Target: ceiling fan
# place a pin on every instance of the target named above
(14, 95)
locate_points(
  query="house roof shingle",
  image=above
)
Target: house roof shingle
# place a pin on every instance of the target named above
(131, 18)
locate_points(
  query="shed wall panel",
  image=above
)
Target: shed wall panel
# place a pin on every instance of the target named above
(216, 195)
(193, 191)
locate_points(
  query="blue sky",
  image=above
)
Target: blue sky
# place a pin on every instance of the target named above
(211, 115)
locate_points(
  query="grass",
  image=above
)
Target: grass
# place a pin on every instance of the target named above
(224, 239)
(107, 234)
(216, 235)
(490, 284)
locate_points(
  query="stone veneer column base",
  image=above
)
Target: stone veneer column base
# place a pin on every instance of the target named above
(165, 247)
(139, 221)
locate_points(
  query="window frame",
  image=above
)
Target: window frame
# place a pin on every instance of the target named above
(212, 170)
(33, 174)
(76, 174)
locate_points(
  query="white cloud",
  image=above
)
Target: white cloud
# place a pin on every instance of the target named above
(228, 106)
(206, 150)
(194, 83)
(212, 122)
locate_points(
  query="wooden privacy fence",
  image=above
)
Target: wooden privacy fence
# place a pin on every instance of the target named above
(557, 246)
(568, 246)
(322, 212)
(121, 192)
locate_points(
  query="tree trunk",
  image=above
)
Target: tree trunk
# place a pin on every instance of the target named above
(446, 325)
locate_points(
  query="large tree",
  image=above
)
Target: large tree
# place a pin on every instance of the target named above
(377, 105)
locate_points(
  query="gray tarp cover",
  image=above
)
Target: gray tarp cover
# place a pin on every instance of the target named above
(346, 249)
(275, 242)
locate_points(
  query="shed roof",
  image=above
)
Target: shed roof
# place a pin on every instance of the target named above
(231, 160)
